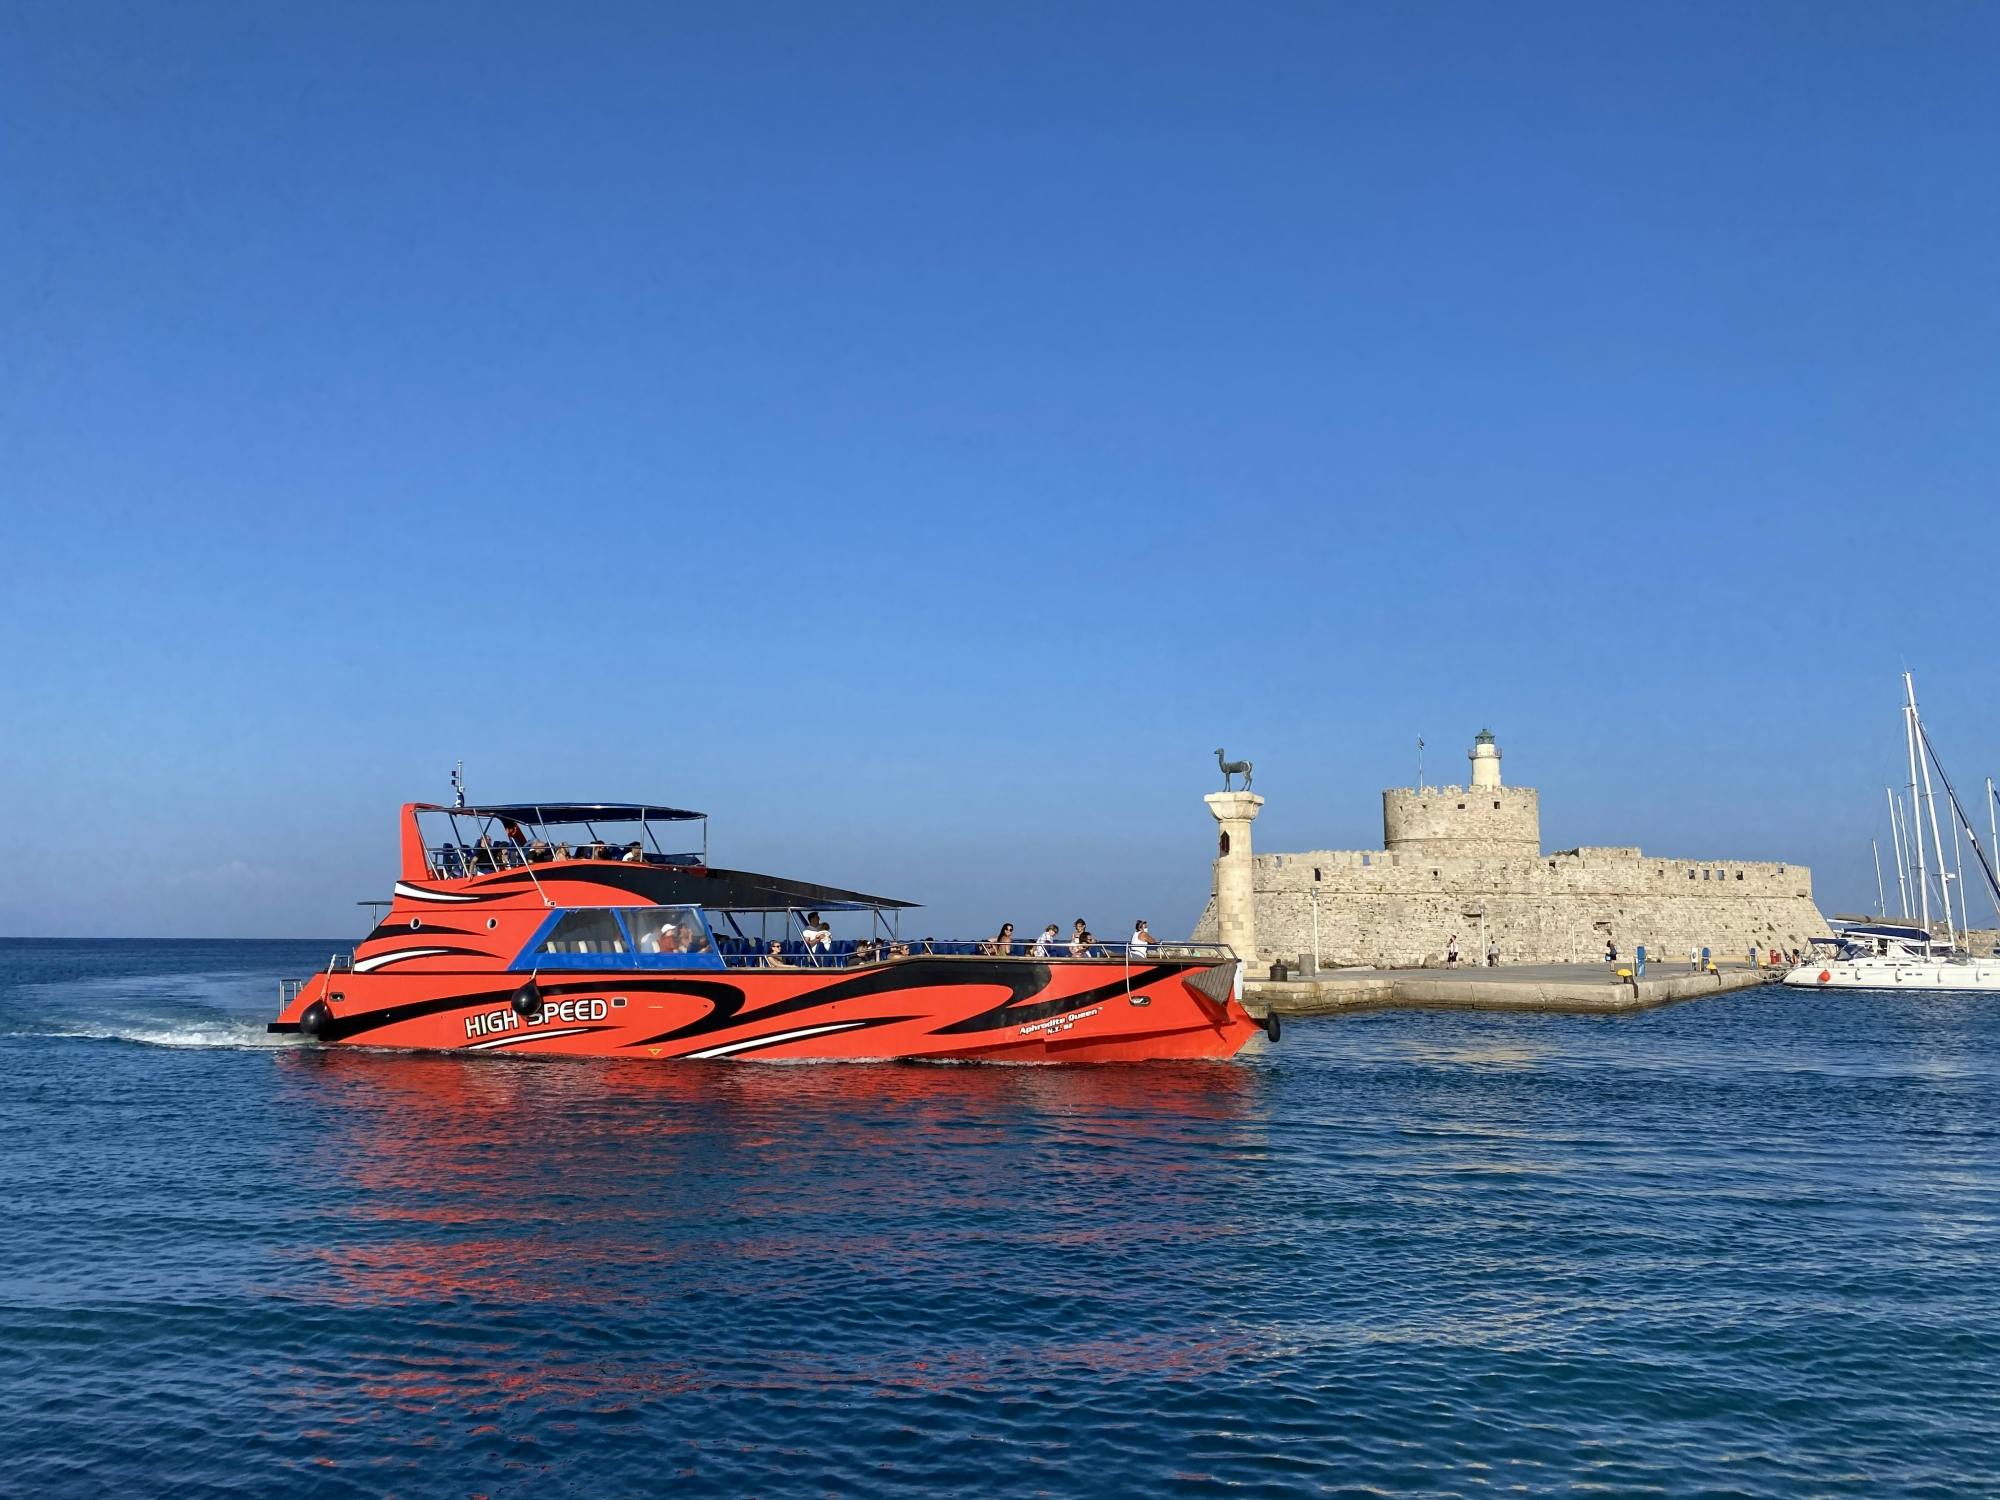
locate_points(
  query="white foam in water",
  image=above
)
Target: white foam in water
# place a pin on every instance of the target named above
(218, 1034)
(164, 1010)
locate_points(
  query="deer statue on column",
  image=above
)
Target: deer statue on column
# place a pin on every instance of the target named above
(1232, 768)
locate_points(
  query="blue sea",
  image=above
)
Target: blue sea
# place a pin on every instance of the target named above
(1748, 1246)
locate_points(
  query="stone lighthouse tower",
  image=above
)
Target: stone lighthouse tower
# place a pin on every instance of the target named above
(1485, 758)
(1482, 818)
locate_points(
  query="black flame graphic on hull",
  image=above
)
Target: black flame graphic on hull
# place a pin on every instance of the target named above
(731, 1006)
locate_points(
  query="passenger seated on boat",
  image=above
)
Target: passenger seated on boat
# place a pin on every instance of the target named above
(635, 853)
(1045, 945)
(817, 934)
(899, 950)
(539, 852)
(1142, 940)
(774, 956)
(1002, 944)
(689, 939)
(864, 952)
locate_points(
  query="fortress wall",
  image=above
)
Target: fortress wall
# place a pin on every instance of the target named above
(1462, 820)
(1392, 909)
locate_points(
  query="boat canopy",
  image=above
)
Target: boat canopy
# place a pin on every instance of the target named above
(1897, 930)
(740, 890)
(559, 814)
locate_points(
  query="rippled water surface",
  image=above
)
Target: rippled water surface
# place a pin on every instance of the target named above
(1743, 1246)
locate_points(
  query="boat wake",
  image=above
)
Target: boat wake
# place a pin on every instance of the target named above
(179, 1010)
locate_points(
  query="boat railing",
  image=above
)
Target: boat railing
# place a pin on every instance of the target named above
(740, 953)
(463, 861)
(288, 989)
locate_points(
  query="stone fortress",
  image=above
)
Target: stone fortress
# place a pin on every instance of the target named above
(1468, 861)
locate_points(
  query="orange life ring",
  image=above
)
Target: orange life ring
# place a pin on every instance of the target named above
(1824, 976)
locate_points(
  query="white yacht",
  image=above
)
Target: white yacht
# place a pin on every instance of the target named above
(1892, 956)
(1908, 954)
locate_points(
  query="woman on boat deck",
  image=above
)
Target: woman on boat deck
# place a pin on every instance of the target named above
(1001, 945)
(1045, 945)
(774, 956)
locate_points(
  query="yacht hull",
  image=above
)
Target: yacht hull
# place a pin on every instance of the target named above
(1975, 976)
(938, 1008)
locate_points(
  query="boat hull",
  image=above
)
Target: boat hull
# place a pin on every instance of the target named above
(1977, 976)
(939, 1008)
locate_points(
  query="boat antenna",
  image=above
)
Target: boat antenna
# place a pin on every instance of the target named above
(458, 785)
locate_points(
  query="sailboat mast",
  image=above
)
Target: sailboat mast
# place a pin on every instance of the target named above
(1917, 823)
(1881, 900)
(1909, 846)
(1896, 842)
(1993, 834)
(1930, 799)
(1958, 868)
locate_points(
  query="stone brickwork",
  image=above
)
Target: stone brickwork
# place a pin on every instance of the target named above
(1476, 820)
(1477, 871)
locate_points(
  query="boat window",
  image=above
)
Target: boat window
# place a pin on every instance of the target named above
(668, 929)
(586, 932)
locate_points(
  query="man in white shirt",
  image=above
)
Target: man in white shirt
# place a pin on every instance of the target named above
(1141, 939)
(817, 934)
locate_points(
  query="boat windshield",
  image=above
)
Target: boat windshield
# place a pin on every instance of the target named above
(627, 937)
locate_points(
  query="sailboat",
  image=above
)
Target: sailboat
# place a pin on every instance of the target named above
(1908, 955)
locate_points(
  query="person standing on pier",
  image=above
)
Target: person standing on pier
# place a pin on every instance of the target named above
(1451, 952)
(1493, 954)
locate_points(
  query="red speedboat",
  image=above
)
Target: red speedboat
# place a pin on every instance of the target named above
(569, 929)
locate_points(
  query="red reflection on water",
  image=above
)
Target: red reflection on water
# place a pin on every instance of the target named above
(517, 1180)
(469, 1188)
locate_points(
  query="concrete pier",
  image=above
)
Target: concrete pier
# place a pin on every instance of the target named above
(1580, 988)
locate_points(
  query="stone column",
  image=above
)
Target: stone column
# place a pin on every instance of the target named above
(1235, 898)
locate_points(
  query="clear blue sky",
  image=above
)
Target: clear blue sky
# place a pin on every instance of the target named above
(920, 434)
